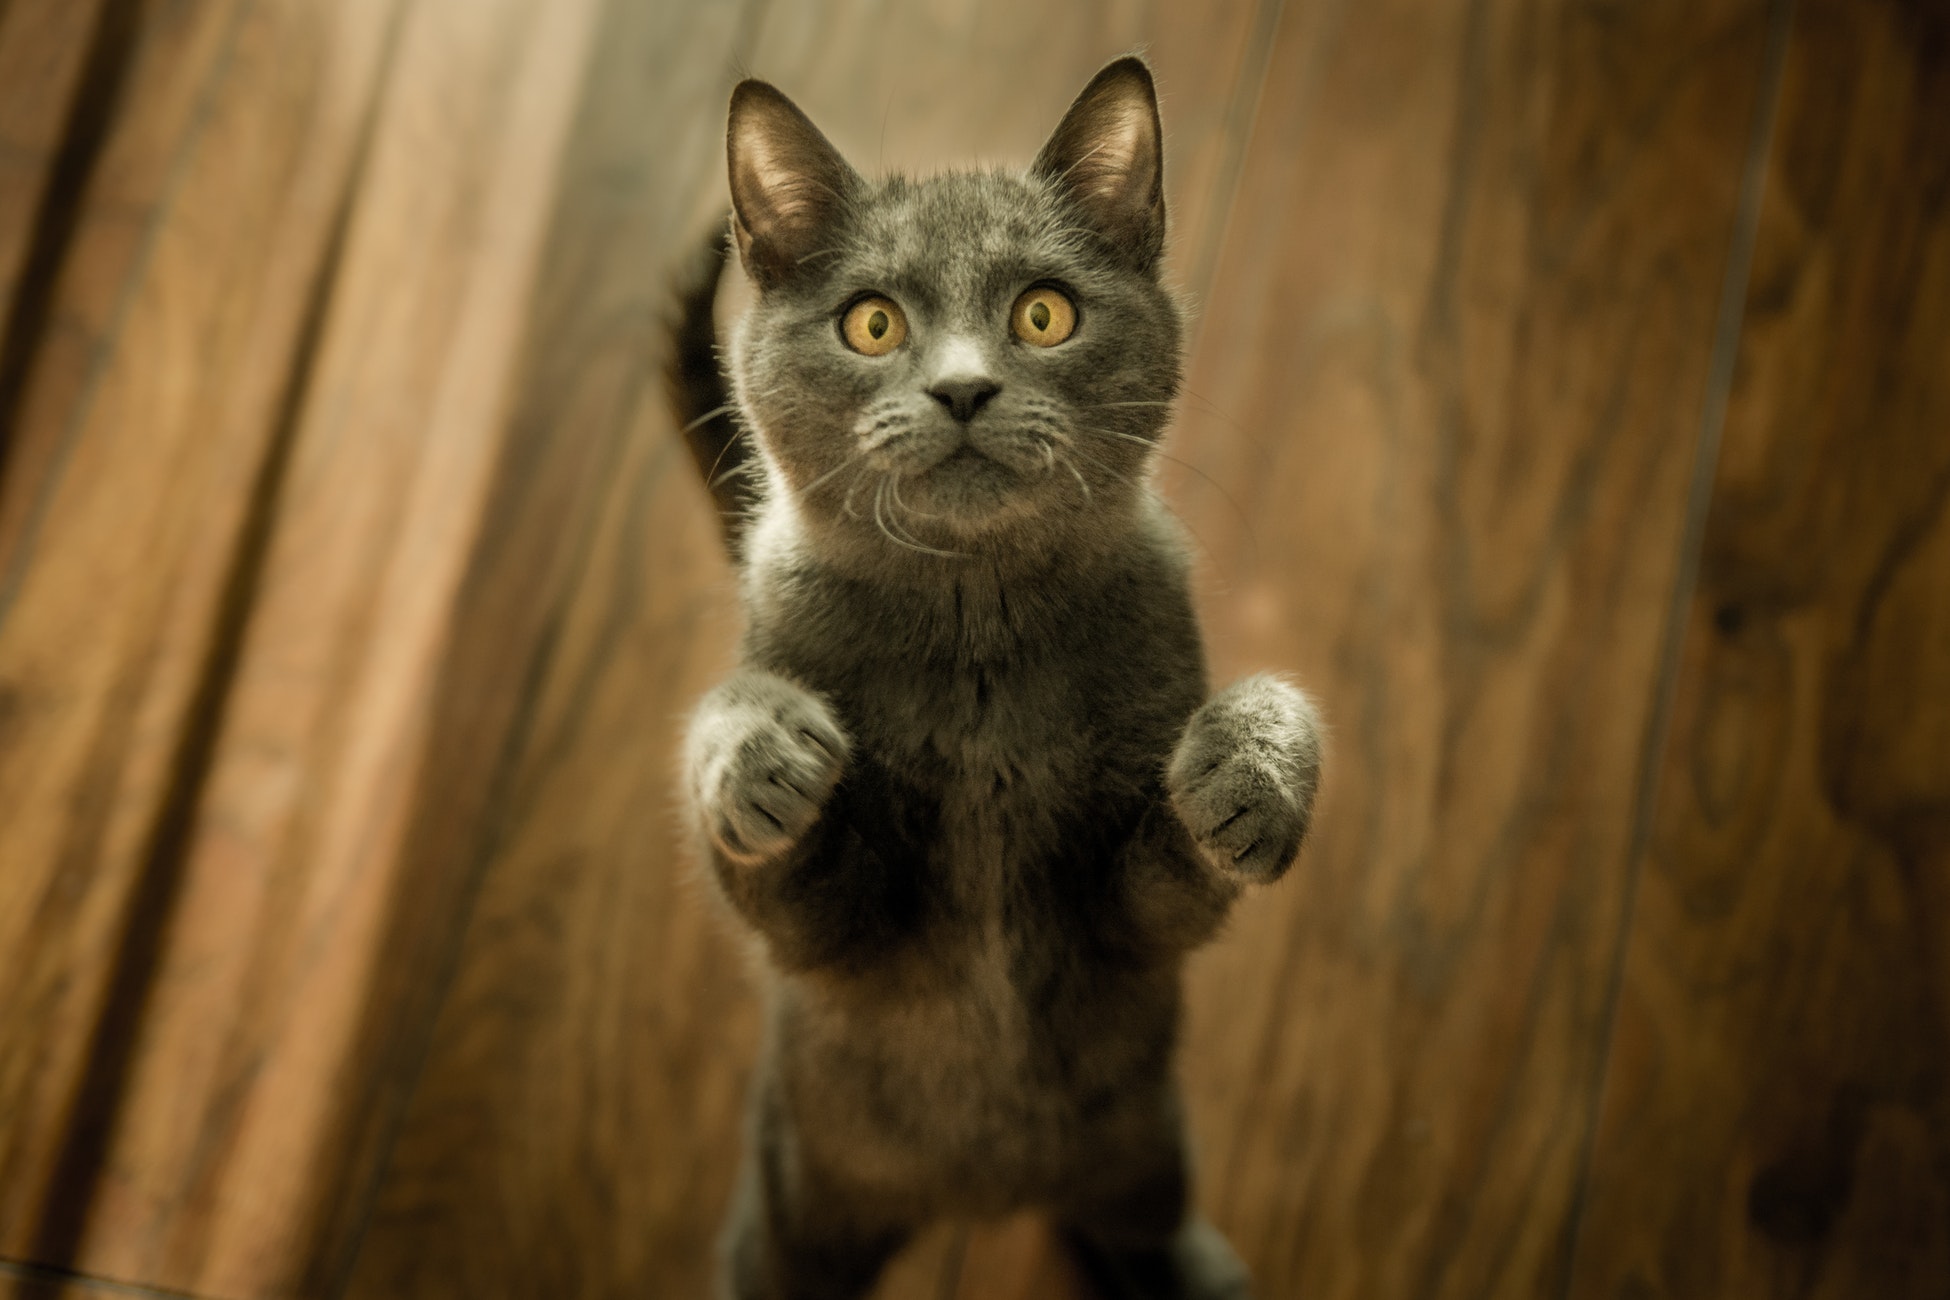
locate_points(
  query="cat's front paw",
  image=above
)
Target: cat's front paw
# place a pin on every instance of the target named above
(1244, 775)
(764, 755)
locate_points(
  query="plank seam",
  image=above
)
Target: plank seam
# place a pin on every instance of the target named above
(1242, 117)
(42, 1274)
(1730, 322)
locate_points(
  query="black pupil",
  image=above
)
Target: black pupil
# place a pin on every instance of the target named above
(1039, 315)
(877, 324)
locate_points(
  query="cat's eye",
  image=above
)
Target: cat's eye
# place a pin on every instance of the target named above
(874, 326)
(1043, 316)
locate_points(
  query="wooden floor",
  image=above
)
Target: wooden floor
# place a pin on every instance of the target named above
(1568, 408)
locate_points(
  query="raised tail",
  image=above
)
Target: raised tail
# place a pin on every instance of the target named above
(699, 395)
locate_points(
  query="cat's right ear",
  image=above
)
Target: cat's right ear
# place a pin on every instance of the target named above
(1107, 156)
(788, 183)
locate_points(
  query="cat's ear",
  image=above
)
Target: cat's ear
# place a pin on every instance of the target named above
(1108, 156)
(788, 183)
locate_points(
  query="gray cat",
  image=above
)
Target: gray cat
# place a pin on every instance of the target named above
(966, 783)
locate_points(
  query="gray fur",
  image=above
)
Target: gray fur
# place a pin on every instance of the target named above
(966, 783)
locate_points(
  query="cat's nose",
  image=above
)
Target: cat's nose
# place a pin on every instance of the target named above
(964, 395)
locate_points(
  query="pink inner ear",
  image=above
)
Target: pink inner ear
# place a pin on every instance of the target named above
(1118, 150)
(771, 180)
(785, 176)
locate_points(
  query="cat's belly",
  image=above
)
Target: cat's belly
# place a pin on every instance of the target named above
(995, 1051)
(974, 1094)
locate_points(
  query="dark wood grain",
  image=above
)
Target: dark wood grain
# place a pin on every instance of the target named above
(113, 250)
(1777, 1113)
(1447, 406)
(44, 57)
(576, 1127)
(62, 68)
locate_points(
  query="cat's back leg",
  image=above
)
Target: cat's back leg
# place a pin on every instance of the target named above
(1134, 1231)
(795, 1232)
(1194, 1263)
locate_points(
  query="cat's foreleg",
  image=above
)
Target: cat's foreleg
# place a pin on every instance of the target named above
(1243, 777)
(761, 758)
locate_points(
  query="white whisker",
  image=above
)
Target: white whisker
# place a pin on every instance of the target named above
(880, 522)
(846, 502)
(827, 477)
(1078, 475)
(707, 417)
(1231, 501)
(894, 490)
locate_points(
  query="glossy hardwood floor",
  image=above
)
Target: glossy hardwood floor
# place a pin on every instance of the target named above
(1566, 408)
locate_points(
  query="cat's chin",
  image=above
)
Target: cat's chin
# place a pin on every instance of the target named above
(968, 493)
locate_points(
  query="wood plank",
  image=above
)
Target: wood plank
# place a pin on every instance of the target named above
(1452, 384)
(1777, 1114)
(247, 1075)
(150, 408)
(477, 1199)
(576, 1129)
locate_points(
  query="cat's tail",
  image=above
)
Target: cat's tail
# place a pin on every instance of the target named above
(699, 395)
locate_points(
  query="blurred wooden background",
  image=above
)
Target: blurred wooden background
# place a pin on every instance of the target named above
(1569, 406)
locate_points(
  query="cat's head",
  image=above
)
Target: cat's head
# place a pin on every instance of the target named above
(972, 363)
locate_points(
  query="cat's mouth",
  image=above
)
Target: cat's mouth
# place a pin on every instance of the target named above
(1009, 454)
(964, 458)
(965, 454)
(956, 475)
(968, 490)
(941, 487)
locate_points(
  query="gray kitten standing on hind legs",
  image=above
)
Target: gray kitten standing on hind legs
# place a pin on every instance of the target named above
(966, 783)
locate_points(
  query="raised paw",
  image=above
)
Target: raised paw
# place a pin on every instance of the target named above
(1243, 777)
(763, 756)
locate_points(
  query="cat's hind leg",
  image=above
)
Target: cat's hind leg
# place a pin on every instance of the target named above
(794, 1235)
(1194, 1263)
(1137, 1238)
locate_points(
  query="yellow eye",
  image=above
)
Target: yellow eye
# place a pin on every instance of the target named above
(1043, 317)
(874, 326)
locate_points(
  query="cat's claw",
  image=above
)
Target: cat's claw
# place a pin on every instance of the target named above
(764, 755)
(1243, 778)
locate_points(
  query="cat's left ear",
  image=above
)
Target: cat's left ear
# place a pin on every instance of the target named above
(788, 182)
(1107, 156)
